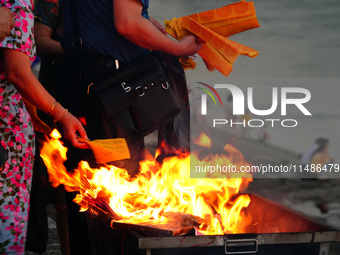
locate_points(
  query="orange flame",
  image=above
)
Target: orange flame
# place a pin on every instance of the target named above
(157, 191)
(203, 140)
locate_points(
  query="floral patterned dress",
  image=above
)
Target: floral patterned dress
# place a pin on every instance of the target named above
(17, 137)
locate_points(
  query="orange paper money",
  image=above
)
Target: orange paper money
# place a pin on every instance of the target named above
(108, 150)
(213, 27)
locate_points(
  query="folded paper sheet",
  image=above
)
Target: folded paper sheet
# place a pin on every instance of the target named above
(108, 150)
(213, 27)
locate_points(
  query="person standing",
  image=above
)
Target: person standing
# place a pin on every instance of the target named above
(109, 37)
(16, 130)
(111, 32)
(321, 158)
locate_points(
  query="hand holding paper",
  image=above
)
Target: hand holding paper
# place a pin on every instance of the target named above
(213, 27)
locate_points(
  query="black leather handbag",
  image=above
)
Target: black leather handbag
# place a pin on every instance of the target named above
(137, 99)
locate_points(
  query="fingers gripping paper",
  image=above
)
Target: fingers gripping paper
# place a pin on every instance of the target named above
(107, 150)
(213, 27)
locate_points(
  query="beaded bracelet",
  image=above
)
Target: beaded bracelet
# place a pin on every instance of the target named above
(59, 115)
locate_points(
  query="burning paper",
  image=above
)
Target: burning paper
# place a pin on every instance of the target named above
(158, 194)
(108, 150)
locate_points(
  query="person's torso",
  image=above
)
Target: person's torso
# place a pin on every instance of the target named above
(98, 33)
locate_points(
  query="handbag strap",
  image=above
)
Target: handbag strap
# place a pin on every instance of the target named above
(77, 40)
(77, 43)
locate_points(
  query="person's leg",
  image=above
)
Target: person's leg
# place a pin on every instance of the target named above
(61, 220)
(37, 228)
(78, 229)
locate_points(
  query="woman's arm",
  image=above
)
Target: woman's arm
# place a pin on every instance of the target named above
(18, 72)
(132, 25)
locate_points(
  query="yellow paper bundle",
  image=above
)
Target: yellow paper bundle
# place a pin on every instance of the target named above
(213, 27)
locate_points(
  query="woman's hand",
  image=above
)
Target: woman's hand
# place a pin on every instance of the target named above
(71, 128)
(6, 22)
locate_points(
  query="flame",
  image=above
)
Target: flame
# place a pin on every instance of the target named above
(159, 193)
(203, 140)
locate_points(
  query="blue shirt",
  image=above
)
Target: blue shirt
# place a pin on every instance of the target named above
(98, 32)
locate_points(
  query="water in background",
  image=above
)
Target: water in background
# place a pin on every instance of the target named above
(297, 39)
